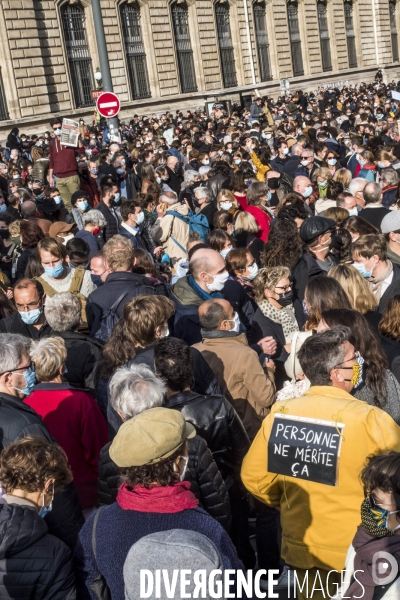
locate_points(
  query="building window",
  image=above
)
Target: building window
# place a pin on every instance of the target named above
(80, 63)
(4, 116)
(225, 44)
(350, 35)
(324, 36)
(134, 49)
(393, 31)
(180, 18)
(260, 23)
(295, 41)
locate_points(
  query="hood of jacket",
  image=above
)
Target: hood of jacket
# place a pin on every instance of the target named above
(182, 209)
(185, 294)
(20, 527)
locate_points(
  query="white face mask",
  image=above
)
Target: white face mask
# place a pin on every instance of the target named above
(219, 281)
(285, 151)
(182, 475)
(225, 205)
(236, 323)
(67, 238)
(252, 271)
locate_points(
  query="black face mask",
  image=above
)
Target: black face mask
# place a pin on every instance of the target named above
(37, 191)
(4, 234)
(195, 184)
(273, 183)
(285, 298)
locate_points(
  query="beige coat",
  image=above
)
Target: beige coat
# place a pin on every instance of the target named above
(248, 387)
(169, 227)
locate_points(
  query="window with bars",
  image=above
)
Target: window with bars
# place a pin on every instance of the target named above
(393, 31)
(350, 35)
(134, 50)
(4, 116)
(295, 40)
(78, 54)
(324, 36)
(187, 75)
(225, 44)
(260, 24)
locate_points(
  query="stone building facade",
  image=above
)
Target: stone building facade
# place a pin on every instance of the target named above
(181, 53)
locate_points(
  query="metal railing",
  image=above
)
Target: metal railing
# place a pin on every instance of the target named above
(393, 31)
(225, 44)
(134, 49)
(350, 35)
(295, 40)
(324, 37)
(260, 24)
(187, 75)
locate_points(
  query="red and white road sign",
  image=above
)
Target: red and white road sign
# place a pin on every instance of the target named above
(108, 104)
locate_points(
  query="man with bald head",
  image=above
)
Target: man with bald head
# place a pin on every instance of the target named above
(302, 185)
(247, 385)
(29, 212)
(373, 212)
(205, 280)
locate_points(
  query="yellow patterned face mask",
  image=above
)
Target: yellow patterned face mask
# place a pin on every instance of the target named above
(357, 369)
(356, 374)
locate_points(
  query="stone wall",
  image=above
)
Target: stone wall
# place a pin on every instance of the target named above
(37, 79)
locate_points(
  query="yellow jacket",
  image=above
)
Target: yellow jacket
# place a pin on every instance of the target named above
(261, 169)
(319, 521)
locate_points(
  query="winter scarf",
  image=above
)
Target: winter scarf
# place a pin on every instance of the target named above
(157, 499)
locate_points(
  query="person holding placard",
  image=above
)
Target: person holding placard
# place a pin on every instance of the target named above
(307, 456)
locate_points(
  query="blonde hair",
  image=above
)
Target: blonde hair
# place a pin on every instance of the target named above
(48, 355)
(118, 253)
(337, 213)
(322, 172)
(344, 177)
(53, 246)
(355, 287)
(229, 196)
(267, 279)
(246, 222)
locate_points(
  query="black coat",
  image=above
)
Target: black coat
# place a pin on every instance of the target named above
(206, 481)
(392, 290)
(374, 215)
(15, 324)
(17, 421)
(209, 211)
(133, 184)
(22, 262)
(245, 306)
(107, 169)
(115, 285)
(245, 239)
(137, 240)
(391, 349)
(306, 268)
(83, 359)
(174, 181)
(205, 382)
(217, 422)
(34, 565)
(112, 221)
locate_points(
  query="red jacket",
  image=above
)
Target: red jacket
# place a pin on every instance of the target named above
(75, 421)
(63, 159)
(263, 221)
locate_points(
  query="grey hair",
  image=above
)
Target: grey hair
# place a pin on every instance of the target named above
(169, 197)
(63, 311)
(94, 217)
(390, 176)
(204, 170)
(329, 347)
(355, 185)
(188, 177)
(295, 149)
(134, 389)
(372, 192)
(12, 347)
(203, 192)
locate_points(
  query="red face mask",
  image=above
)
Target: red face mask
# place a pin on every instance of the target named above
(96, 230)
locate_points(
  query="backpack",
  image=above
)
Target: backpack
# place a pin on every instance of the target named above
(197, 223)
(109, 319)
(74, 289)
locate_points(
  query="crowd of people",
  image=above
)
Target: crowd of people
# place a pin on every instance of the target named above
(176, 310)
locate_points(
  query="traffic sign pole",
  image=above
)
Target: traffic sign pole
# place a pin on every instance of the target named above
(112, 121)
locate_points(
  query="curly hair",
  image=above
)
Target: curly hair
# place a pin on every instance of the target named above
(32, 461)
(267, 279)
(162, 473)
(284, 247)
(390, 322)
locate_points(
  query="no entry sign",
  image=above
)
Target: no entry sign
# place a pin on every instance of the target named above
(108, 104)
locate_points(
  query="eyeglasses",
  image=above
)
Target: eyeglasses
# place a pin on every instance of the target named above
(355, 357)
(375, 504)
(305, 157)
(285, 288)
(19, 369)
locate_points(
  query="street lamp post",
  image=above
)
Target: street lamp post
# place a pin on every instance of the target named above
(105, 74)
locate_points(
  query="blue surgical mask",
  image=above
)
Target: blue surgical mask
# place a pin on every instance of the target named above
(111, 155)
(30, 380)
(57, 199)
(3, 208)
(120, 171)
(30, 317)
(322, 184)
(332, 161)
(308, 191)
(353, 212)
(305, 309)
(46, 509)
(140, 218)
(361, 268)
(117, 196)
(381, 165)
(82, 205)
(237, 161)
(224, 253)
(269, 195)
(94, 171)
(55, 271)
